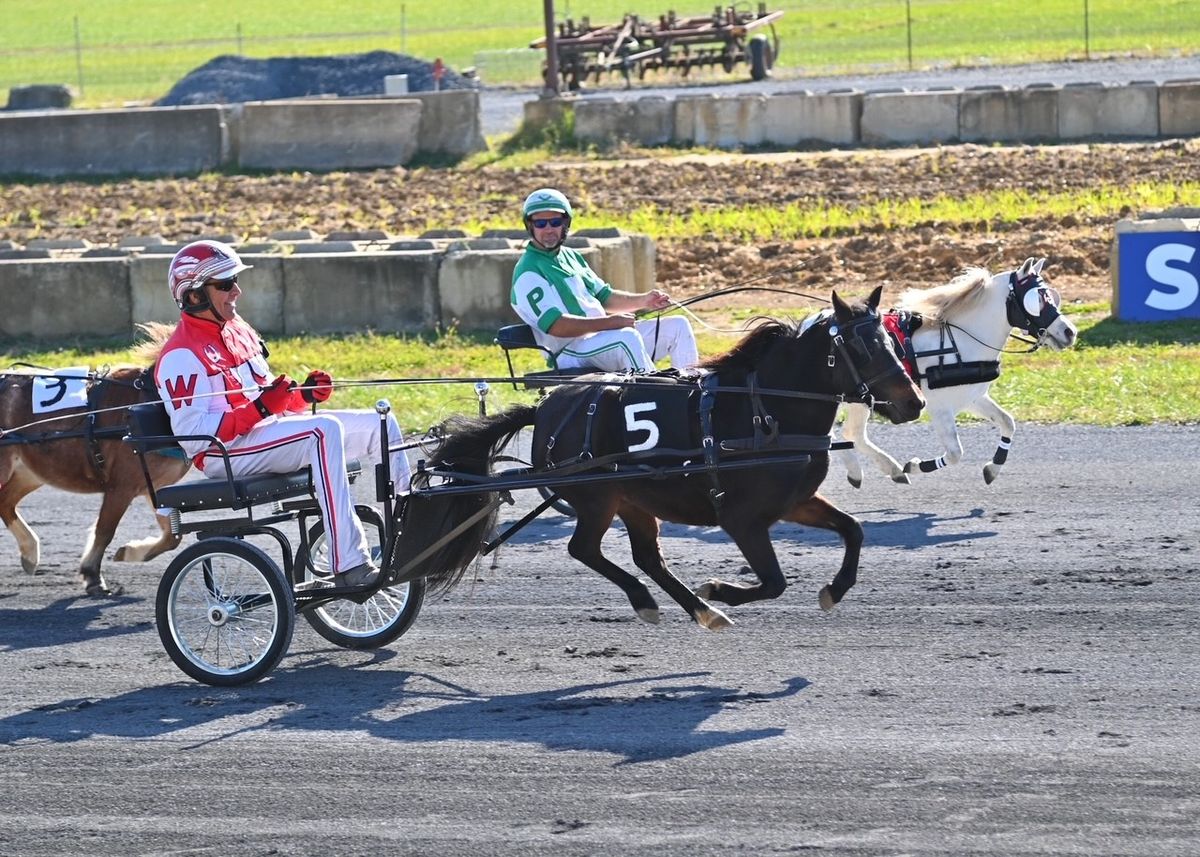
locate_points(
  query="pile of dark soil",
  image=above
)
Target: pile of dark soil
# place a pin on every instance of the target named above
(232, 79)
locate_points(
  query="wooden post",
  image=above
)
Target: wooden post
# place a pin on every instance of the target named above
(551, 89)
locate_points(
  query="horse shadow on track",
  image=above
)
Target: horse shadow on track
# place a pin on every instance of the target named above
(663, 718)
(65, 621)
(884, 528)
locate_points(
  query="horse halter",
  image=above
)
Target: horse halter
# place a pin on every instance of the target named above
(1032, 306)
(848, 341)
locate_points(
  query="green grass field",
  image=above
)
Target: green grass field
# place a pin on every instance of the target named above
(136, 50)
(1120, 374)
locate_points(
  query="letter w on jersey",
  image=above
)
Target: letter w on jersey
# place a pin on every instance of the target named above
(181, 392)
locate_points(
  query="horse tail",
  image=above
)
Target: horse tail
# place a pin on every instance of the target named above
(469, 447)
(156, 334)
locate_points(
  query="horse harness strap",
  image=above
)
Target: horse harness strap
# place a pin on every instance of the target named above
(89, 430)
(959, 373)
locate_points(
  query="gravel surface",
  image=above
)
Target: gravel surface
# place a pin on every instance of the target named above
(1016, 673)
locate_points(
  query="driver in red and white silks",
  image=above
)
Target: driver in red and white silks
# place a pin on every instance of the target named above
(209, 374)
(576, 316)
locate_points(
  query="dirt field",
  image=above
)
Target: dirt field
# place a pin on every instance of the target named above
(403, 201)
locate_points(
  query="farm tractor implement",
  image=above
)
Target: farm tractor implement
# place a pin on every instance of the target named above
(725, 38)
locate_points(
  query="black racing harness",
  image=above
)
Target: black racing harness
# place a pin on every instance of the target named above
(701, 387)
(91, 432)
(1023, 292)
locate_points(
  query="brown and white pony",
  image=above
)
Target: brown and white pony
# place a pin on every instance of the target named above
(80, 450)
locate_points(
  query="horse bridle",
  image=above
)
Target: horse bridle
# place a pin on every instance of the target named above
(848, 341)
(1020, 317)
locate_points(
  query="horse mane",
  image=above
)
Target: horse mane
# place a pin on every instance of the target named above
(764, 333)
(157, 334)
(940, 302)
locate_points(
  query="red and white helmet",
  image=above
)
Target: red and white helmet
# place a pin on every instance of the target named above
(197, 263)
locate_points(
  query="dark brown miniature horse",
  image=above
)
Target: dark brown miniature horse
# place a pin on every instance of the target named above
(773, 400)
(81, 450)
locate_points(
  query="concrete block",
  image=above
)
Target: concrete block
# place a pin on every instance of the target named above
(328, 135)
(144, 141)
(360, 291)
(724, 123)
(141, 241)
(450, 123)
(513, 234)
(541, 112)
(358, 235)
(443, 233)
(653, 121)
(410, 246)
(828, 117)
(325, 247)
(1094, 110)
(645, 262)
(261, 302)
(474, 287)
(1008, 115)
(293, 235)
(58, 299)
(910, 117)
(21, 253)
(603, 121)
(688, 109)
(597, 232)
(1179, 108)
(58, 244)
(615, 264)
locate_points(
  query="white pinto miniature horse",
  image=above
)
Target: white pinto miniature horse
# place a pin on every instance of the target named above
(955, 355)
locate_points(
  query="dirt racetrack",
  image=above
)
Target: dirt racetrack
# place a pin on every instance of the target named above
(403, 201)
(1015, 674)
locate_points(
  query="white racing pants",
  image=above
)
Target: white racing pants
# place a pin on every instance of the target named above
(321, 442)
(635, 348)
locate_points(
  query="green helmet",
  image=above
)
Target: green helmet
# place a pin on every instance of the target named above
(545, 199)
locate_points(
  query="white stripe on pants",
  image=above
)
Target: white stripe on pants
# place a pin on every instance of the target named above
(288, 443)
(629, 347)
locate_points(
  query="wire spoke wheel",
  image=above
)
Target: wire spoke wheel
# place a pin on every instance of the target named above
(225, 612)
(379, 620)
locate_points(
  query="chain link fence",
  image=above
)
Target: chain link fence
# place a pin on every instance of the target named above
(817, 37)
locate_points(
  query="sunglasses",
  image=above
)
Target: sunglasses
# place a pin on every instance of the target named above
(223, 285)
(543, 222)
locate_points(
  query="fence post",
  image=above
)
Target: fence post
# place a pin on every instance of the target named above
(908, 27)
(78, 56)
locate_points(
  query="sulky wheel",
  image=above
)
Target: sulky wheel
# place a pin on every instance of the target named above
(225, 612)
(383, 617)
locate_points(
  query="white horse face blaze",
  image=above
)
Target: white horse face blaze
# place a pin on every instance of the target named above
(1061, 334)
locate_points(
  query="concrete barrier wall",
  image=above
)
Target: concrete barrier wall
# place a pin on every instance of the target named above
(1179, 108)
(318, 134)
(330, 134)
(146, 141)
(1036, 113)
(438, 284)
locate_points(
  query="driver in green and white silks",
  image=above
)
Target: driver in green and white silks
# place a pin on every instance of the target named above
(576, 316)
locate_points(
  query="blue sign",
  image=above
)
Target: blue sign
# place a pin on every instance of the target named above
(1159, 276)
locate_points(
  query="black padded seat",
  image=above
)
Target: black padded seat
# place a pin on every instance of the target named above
(150, 431)
(246, 491)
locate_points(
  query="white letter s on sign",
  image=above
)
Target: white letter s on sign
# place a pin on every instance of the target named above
(1187, 287)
